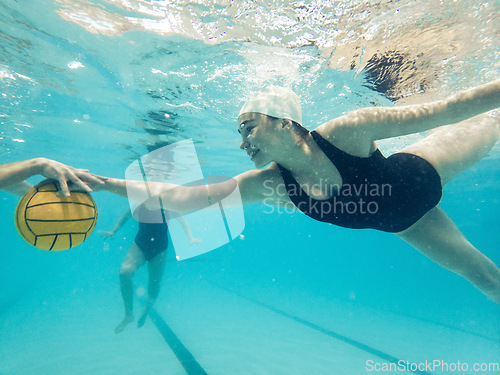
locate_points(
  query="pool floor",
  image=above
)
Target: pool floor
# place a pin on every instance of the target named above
(199, 327)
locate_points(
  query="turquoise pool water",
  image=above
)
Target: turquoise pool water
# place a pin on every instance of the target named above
(98, 84)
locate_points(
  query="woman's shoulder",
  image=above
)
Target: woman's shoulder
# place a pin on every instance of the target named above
(258, 185)
(346, 135)
(259, 177)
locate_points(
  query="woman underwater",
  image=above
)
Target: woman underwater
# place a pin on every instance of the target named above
(322, 172)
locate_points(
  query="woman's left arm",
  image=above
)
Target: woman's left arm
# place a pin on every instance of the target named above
(385, 122)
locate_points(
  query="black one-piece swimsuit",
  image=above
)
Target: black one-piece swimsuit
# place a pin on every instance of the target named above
(152, 236)
(388, 194)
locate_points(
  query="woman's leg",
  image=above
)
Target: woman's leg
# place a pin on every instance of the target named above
(437, 237)
(451, 150)
(156, 269)
(132, 262)
(454, 148)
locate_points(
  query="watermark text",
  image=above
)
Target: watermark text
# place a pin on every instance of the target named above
(433, 366)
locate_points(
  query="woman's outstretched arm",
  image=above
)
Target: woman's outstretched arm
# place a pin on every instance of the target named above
(181, 198)
(385, 122)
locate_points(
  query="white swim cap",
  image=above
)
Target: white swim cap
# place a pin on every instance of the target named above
(275, 101)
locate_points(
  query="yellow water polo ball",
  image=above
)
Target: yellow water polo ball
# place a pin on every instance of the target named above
(52, 222)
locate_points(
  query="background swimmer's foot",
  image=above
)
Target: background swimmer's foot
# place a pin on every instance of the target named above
(128, 319)
(142, 319)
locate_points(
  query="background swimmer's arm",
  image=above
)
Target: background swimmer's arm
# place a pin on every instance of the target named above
(396, 121)
(118, 225)
(187, 229)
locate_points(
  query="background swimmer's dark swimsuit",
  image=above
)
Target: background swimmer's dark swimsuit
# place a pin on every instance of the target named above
(387, 194)
(152, 238)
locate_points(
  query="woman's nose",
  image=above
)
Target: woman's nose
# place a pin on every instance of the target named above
(244, 145)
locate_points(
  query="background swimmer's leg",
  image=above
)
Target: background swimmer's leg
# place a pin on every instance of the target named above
(156, 269)
(132, 262)
(437, 237)
(454, 148)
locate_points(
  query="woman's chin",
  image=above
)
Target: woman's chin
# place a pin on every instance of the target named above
(259, 164)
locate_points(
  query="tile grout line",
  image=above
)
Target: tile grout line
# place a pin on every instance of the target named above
(182, 353)
(345, 339)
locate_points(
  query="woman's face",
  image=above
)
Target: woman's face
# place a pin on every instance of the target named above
(258, 137)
